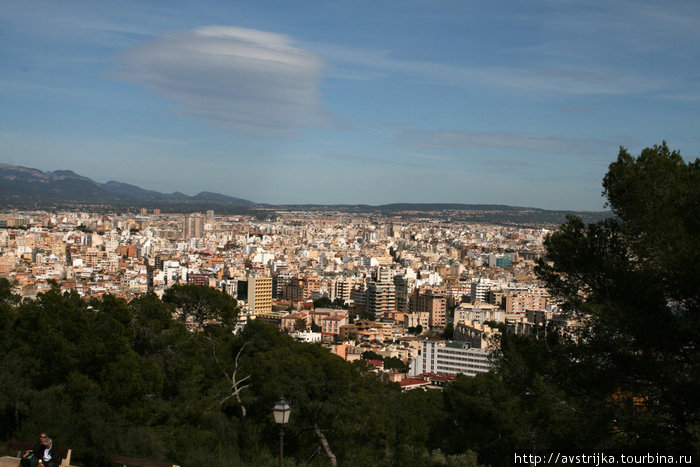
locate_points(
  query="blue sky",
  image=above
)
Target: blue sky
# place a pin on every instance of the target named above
(522, 103)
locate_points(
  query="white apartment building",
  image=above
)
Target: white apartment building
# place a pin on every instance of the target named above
(450, 358)
(480, 290)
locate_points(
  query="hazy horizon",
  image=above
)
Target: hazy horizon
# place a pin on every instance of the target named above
(292, 203)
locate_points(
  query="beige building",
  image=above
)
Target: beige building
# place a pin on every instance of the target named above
(479, 311)
(520, 302)
(342, 288)
(430, 302)
(193, 226)
(259, 293)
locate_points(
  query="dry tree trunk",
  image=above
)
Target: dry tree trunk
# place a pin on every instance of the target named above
(235, 383)
(326, 446)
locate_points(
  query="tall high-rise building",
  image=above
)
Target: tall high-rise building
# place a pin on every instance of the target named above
(480, 290)
(193, 226)
(342, 288)
(279, 281)
(259, 293)
(430, 302)
(401, 286)
(359, 295)
(381, 297)
(159, 260)
(301, 287)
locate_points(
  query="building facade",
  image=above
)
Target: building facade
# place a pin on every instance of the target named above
(259, 293)
(450, 358)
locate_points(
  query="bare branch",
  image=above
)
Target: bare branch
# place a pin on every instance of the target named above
(235, 383)
(326, 446)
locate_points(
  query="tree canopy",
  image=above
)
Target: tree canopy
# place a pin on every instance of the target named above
(631, 284)
(109, 377)
(202, 305)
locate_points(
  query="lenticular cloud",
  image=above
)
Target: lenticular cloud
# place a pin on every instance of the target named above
(254, 83)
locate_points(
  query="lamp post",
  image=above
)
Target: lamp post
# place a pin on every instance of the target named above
(281, 411)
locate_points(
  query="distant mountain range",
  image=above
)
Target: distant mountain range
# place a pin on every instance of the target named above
(22, 186)
(25, 188)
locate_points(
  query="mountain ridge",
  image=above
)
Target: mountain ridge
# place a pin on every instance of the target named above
(25, 187)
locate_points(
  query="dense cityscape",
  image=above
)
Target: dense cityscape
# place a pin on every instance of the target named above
(493, 327)
(396, 285)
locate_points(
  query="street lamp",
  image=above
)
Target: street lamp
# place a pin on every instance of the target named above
(281, 411)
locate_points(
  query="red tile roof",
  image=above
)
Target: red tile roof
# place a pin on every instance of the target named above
(406, 382)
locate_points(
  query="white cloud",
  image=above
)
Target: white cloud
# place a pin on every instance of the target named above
(254, 83)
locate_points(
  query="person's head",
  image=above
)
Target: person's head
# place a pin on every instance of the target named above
(42, 437)
(47, 442)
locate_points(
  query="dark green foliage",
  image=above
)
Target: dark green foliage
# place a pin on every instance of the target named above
(448, 332)
(340, 303)
(371, 355)
(628, 376)
(300, 324)
(107, 377)
(633, 284)
(202, 305)
(104, 378)
(393, 363)
(325, 302)
(6, 295)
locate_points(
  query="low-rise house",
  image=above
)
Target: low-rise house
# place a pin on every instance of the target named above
(289, 322)
(307, 336)
(409, 384)
(378, 365)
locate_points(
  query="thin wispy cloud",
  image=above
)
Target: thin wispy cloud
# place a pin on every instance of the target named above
(431, 157)
(493, 139)
(370, 160)
(561, 78)
(579, 49)
(506, 164)
(692, 96)
(13, 87)
(150, 139)
(107, 24)
(252, 82)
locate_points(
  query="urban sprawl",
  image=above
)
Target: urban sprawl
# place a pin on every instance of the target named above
(355, 283)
